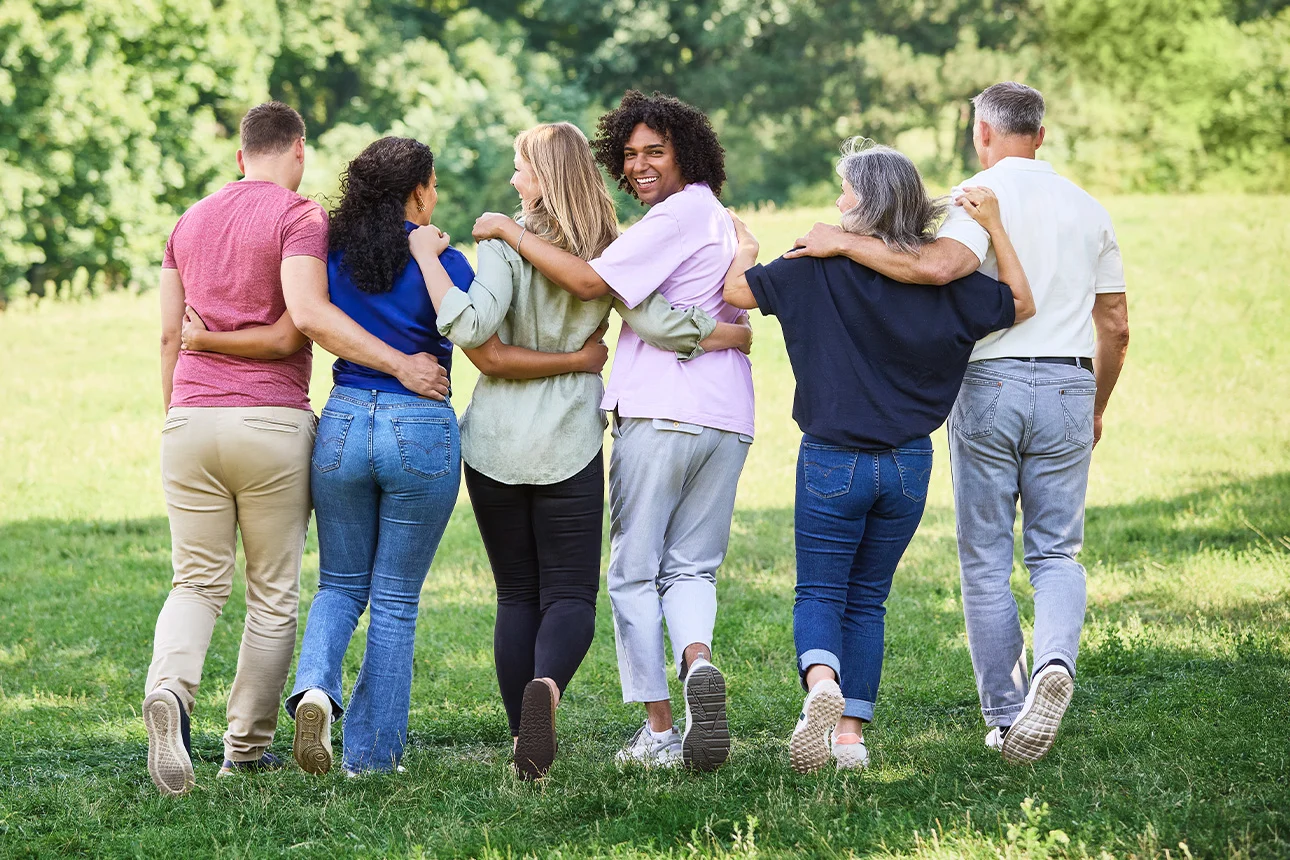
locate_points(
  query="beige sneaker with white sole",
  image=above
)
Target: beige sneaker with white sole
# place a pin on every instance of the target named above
(809, 749)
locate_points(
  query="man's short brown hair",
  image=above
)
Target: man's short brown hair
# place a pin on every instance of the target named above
(270, 128)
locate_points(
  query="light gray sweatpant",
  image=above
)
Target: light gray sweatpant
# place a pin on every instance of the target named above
(671, 496)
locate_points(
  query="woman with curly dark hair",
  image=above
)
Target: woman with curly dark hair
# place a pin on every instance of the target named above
(682, 429)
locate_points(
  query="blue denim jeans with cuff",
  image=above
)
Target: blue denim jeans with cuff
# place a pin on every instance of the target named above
(856, 512)
(385, 473)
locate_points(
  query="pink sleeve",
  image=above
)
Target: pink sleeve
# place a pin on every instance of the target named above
(306, 234)
(168, 259)
(640, 260)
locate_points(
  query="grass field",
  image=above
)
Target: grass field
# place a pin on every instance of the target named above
(1177, 744)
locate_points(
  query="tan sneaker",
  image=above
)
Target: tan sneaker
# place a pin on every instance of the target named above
(312, 745)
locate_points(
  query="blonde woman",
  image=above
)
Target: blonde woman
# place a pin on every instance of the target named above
(532, 448)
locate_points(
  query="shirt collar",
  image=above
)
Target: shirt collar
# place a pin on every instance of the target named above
(1014, 162)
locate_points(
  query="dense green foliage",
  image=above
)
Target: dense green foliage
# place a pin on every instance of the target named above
(117, 114)
(1179, 731)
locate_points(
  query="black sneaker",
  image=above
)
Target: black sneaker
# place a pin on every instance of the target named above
(268, 761)
(170, 747)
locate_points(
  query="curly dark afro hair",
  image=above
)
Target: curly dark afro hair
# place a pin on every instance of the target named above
(698, 152)
(367, 226)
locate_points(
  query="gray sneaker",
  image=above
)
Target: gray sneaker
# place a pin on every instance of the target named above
(706, 743)
(650, 751)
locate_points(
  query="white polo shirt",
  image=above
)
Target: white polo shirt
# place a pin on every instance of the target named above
(1066, 245)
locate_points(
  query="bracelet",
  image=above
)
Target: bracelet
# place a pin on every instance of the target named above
(523, 230)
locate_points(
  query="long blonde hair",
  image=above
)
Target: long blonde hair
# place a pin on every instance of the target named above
(574, 211)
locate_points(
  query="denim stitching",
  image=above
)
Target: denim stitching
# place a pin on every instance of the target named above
(346, 420)
(445, 444)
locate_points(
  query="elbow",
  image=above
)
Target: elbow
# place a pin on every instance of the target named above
(169, 341)
(940, 273)
(590, 289)
(1025, 310)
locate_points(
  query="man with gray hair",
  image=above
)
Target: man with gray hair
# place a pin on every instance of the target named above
(1029, 411)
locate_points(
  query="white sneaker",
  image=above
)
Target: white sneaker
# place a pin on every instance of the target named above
(994, 740)
(1033, 732)
(650, 751)
(849, 756)
(312, 745)
(706, 742)
(808, 748)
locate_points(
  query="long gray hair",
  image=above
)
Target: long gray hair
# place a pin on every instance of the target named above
(892, 203)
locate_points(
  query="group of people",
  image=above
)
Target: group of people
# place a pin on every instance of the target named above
(890, 327)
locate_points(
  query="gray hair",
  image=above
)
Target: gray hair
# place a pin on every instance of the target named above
(892, 203)
(1011, 108)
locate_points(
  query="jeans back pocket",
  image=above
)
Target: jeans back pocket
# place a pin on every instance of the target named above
(425, 445)
(329, 443)
(974, 408)
(1077, 410)
(915, 470)
(828, 471)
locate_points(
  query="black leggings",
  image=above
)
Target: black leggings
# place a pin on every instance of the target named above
(543, 542)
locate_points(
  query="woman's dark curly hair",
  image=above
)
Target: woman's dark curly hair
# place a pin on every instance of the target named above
(698, 153)
(367, 226)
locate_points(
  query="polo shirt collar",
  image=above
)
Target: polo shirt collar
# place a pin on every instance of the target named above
(1013, 162)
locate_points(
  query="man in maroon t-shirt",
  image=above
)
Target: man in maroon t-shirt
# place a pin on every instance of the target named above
(238, 436)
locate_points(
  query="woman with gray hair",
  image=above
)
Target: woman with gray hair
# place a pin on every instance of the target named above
(878, 364)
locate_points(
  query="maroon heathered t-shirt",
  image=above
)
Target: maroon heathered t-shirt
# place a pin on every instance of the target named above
(229, 249)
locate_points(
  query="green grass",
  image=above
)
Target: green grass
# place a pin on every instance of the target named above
(1179, 733)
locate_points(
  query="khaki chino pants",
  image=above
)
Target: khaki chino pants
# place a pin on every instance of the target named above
(225, 469)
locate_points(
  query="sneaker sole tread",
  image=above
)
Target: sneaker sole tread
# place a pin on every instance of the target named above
(706, 742)
(169, 764)
(1033, 734)
(535, 748)
(308, 748)
(809, 749)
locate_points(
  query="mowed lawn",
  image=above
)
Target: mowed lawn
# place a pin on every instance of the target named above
(1177, 744)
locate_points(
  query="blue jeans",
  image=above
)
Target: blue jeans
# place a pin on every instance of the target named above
(385, 473)
(856, 512)
(1020, 430)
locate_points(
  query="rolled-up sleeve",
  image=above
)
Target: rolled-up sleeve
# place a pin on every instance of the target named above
(961, 227)
(470, 318)
(664, 327)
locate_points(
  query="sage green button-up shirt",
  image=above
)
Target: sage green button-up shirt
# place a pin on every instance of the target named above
(541, 431)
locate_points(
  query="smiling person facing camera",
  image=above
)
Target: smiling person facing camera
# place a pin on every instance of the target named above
(878, 364)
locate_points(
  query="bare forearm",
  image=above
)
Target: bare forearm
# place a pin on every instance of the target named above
(1012, 274)
(436, 277)
(1108, 361)
(333, 330)
(736, 291)
(935, 264)
(266, 343)
(503, 361)
(169, 358)
(727, 336)
(567, 271)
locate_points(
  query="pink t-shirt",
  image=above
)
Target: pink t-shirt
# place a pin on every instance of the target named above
(229, 249)
(682, 248)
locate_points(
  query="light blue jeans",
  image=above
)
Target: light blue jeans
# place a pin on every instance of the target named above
(385, 473)
(1020, 430)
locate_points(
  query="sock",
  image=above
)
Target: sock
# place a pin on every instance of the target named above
(661, 736)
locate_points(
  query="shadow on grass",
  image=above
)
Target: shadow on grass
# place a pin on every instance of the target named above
(1179, 726)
